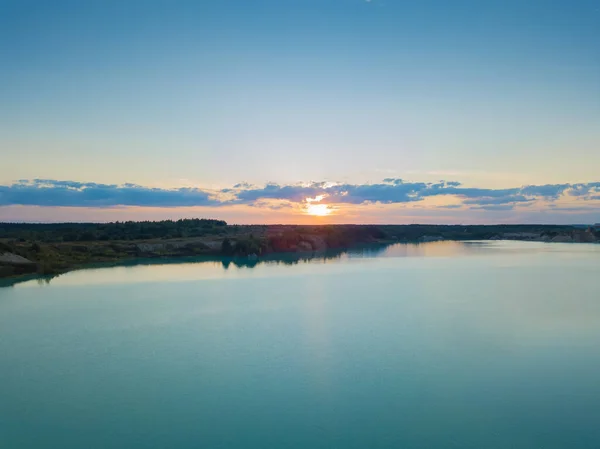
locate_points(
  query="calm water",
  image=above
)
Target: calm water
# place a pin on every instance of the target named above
(442, 345)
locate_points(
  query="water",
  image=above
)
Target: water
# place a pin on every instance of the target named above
(442, 345)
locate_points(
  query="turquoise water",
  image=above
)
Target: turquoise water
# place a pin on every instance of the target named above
(441, 345)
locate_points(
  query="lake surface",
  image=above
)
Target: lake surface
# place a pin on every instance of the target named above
(441, 345)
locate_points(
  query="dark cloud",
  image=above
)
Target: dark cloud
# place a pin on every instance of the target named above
(48, 192)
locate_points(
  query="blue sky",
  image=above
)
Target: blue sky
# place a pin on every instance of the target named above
(206, 95)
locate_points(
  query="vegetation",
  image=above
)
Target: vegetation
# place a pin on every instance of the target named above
(128, 230)
(55, 248)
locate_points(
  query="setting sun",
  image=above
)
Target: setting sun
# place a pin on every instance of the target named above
(319, 210)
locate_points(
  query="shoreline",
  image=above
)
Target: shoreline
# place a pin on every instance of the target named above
(41, 250)
(290, 258)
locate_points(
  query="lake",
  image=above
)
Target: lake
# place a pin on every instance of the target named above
(439, 345)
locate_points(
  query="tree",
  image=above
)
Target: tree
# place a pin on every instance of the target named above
(226, 247)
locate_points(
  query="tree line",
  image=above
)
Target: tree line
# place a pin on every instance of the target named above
(126, 230)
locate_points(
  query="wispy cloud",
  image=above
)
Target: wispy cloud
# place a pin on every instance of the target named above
(450, 206)
(48, 192)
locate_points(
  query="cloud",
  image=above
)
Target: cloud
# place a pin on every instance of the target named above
(48, 192)
(495, 207)
(292, 193)
(506, 199)
(393, 181)
(242, 185)
(548, 191)
(584, 190)
(572, 209)
(272, 204)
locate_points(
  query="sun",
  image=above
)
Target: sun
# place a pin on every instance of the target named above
(318, 210)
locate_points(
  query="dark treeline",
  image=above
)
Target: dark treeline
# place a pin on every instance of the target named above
(285, 237)
(127, 230)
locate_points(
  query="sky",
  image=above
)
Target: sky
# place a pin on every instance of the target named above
(301, 111)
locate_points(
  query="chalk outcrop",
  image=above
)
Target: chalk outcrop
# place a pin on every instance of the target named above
(14, 259)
